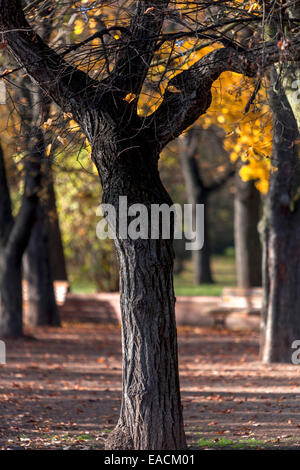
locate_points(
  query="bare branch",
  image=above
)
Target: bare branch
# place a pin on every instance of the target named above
(134, 58)
(65, 84)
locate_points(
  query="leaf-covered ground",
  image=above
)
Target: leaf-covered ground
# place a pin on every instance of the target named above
(61, 388)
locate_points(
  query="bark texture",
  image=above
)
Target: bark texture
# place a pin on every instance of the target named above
(151, 414)
(281, 235)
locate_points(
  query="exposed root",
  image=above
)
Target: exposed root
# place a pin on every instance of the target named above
(119, 439)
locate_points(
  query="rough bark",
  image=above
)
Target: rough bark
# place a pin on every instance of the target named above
(151, 414)
(247, 242)
(281, 235)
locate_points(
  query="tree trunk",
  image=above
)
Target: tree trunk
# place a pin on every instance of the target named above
(10, 269)
(42, 308)
(41, 259)
(11, 297)
(151, 413)
(202, 258)
(57, 256)
(280, 322)
(14, 236)
(196, 194)
(247, 242)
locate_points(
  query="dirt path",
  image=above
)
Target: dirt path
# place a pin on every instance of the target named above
(61, 388)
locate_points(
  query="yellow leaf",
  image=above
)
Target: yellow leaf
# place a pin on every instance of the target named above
(47, 123)
(61, 140)
(73, 126)
(48, 149)
(173, 89)
(129, 97)
(79, 26)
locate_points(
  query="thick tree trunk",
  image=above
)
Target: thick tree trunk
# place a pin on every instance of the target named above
(41, 308)
(151, 413)
(247, 242)
(281, 235)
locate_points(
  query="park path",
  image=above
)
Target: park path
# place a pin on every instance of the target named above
(61, 387)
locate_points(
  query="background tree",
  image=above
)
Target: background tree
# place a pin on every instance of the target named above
(41, 307)
(90, 261)
(248, 252)
(15, 234)
(194, 146)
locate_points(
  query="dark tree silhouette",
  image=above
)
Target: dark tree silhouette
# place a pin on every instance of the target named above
(192, 149)
(248, 250)
(15, 234)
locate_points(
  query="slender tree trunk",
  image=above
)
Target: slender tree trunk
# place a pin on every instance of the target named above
(196, 194)
(42, 308)
(202, 258)
(11, 296)
(10, 284)
(280, 323)
(247, 242)
(14, 237)
(57, 256)
(151, 413)
(10, 266)
(38, 268)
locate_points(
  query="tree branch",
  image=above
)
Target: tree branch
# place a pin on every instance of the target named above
(21, 230)
(68, 86)
(134, 58)
(180, 110)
